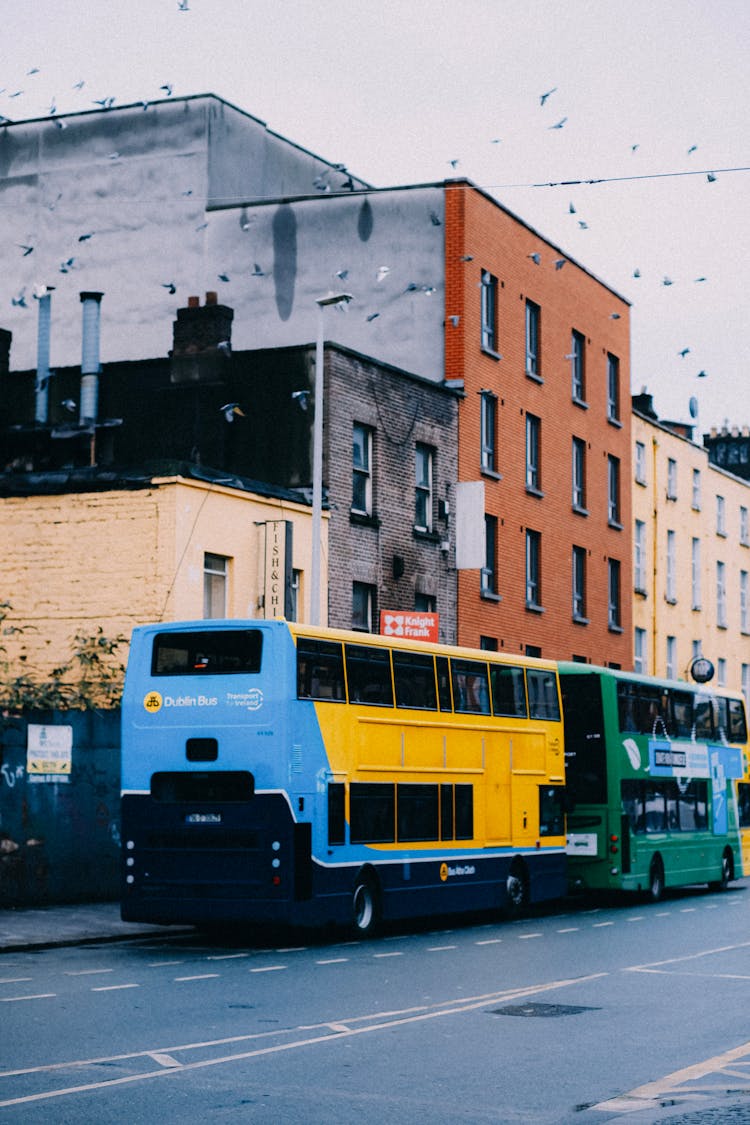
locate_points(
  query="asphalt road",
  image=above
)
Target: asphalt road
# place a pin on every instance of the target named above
(632, 1012)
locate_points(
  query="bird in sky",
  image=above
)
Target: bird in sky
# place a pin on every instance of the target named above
(636, 272)
(692, 149)
(182, 6)
(20, 300)
(466, 258)
(170, 287)
(17, 94)
(701, 279)
(201, 227)
(549, 93)
(571, 208)
(105, 103)
(667, 281)
(583, 225)
(52, 109)
(34, 70)
(383, 272)
(85, 237)
(223, 277)
(559, 263)
(455, 320)
(372, 316)
(60, 124)
(342, 274)
(67, 265)
(701, 375)
(711, 177)
(435, 219)
(454, 163)
(79, 85)
(257, 271)
(614, 316)
(684, 352)
(167, 88)
(230, 410)
(26, 249)
(634, 148)
(559, 124)
(535, 257)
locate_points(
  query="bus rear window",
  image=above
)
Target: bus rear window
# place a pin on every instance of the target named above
(207, 653)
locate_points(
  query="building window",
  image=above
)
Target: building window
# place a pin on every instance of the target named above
(579, 474)
(640, 662)
(744, 527)
(533, 570)
(613, 388)
(361, 469)
(533, 315)
(489, 570)
(577, 372)
(488, 430)
(423, 488)
(721, 672)
(489, 311)
(721, 595)
(670, 592)
(640, 463)
(579, 583)
(745, 680)
(744, 607)
(639, 557)
(671, 666)
(215, 577)
(695, 573)
(721, 516)
(533, 446)
(425, 603)
(489, 644)
(614, 611)
(671, 479)
(613, 490)
(696, 491)
(363, 607)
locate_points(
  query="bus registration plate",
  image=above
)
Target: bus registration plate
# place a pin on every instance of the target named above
(203, 818)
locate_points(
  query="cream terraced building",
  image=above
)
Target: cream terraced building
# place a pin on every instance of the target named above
(691, 564)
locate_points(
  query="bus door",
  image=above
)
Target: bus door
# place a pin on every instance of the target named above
(497, 775)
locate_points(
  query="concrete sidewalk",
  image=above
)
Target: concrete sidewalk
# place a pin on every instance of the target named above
(49, 926)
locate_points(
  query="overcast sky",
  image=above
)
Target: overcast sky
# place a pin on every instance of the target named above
(649, 96)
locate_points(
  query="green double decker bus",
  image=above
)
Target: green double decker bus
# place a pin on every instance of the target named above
(652, 768)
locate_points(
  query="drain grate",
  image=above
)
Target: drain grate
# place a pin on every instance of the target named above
(545, 1010)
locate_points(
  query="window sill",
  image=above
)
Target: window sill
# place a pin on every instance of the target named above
(579, 402)
(491, 474)
(614, 422)
(670, 601)
(534, 377)
(640, 591)
(532, 607)
(425, 535)
(577, 620)
(362, 520)
(488, 596)
(491, 353)
(643, 483)
(615, 525)
(722, 534)
(614, 628)
(531, 491)
(579, 511)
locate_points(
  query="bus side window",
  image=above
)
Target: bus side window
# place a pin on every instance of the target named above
(336, 813)
(543, 698)
(414, 677)
(737, 725)
(368, 675)
(320, 670)
(508, 691)
(703, 712)
(656, 820)
(444, 683)
(743, 804)
(464, 795)
(632, 805)
(682, 714)
(470, 687)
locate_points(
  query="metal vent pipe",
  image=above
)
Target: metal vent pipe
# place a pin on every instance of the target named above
(41, 411)
(90, 365)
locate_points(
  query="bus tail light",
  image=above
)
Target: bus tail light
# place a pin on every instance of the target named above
(613, 842)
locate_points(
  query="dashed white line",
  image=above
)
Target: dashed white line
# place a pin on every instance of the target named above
(440, 948)
(268, 969)
(598, 925)
(569, 930)
(396, 954)
(490, 941)
(39, 996)
(199, 976)
(113, 987)
(524, 937)
(226, 956)
(15, 980)
(86, 972)
(332, 961)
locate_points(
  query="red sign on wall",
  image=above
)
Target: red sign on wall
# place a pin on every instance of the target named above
(409, 624)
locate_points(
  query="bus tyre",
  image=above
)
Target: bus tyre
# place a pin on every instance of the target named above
(516, 889)
(656, 880)
(727, 873)
(365, 913)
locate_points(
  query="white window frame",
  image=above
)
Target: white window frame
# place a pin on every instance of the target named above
(215, 585)
(696, 493)
(424, 457)
(639, 556)
(533, 337)
(488, 431)
(671, 478)
(489, 311)
(640, 463)
(640, 651)
(613, 388)
(721, 595)
(362, 473)
(695, 573)
(670, 591)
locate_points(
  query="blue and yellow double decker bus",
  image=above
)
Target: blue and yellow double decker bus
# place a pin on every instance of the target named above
(652, 768)
(275, 772)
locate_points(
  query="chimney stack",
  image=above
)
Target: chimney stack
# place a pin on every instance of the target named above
(201, 341)
(42, 355)
(90, 365)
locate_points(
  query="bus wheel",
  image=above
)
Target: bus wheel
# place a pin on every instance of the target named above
(516, 889)
(364, 906)
(656, 880)
(727, 873)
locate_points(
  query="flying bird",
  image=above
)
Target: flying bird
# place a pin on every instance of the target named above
(701, 375)
(383, 272)
(454, 163)
(170, 287)
(684, 352)
(372, 316)
(571, 208)
(257, 271)
(302, 398)
(634, 148)
(85, 237)
(559, 263)
(435, 219)
(20, 300)
(34, 70)
(559, 124)
(692, 149)
(711, 177)
(543, 97)
(636, 272)
(614, 316)
(66, 266)
(466, 258)
(223, 277)
(455, 320)
(342, 274)
(182, 6)
(78, 85)
(667, 281)
(26, 249)
(230, 409)
(535, 257)
(105, 103)
(167, 88)
(583, 225)
(701, 279)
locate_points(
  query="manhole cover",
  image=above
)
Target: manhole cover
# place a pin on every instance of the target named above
(546, 1010)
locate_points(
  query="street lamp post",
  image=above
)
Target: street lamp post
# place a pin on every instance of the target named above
(317, 482)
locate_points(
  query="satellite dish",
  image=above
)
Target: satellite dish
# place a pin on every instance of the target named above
(693, 406)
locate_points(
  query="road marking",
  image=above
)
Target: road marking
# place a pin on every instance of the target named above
(525, 937)
(490, 941)
(226, 956)
(162, 964)
(688, 909)
(439, 948)
(437, 1011)
(332, 961)
(113, 987)
(651, 966)
(164, 1060)
(199, 976)
(598, 925)
(290, 949)
(15, 980)
(39, 996)
(569, 930)
(268, 969)
(396, 954)
(86, 972)
(635, 918)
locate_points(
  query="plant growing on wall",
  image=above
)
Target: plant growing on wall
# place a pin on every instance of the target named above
(91, 677)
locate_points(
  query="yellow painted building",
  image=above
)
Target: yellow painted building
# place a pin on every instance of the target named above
(691, 542)
(179, 548)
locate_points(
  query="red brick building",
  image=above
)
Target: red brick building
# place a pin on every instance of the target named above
(542, 347)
